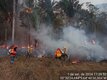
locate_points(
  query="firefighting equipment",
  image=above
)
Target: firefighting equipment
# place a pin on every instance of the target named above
(58, 53)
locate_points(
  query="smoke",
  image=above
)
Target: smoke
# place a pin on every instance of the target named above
(20, 1)
(81, 45)
(75, 40)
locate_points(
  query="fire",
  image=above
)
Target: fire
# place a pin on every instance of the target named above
(28, 10)
(31, 46)
(4, 46)
(23, 47)
(75, 62)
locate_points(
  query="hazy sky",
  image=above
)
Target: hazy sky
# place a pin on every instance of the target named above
(82, 1)
(93, 1)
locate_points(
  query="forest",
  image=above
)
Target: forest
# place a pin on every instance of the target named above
(58, 14)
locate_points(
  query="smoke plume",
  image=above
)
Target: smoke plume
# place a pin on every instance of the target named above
(75, 40)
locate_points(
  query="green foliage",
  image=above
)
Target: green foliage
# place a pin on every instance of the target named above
(70, 7)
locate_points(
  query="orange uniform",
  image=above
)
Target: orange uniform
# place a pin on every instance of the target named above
(58, 53)
(12, 52)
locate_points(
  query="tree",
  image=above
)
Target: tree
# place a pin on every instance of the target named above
(6, 15)
(6, 9)
(70, 7)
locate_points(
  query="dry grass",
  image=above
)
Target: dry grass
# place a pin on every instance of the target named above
(41, 68)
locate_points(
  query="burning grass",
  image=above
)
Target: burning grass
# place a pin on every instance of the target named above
(42, 68)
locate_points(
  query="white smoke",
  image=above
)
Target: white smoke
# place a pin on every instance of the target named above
(20, 1)
(74, 40)
(80, 44)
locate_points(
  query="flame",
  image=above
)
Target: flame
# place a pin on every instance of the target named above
(23, 47)
(75, 62)
(4, 46)
(28, 10)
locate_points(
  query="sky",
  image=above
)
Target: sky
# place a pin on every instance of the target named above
(92, 1)
(82, 1)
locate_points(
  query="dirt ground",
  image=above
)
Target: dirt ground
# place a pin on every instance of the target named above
(42, 68)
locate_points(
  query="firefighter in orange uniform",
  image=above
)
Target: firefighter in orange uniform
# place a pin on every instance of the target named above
(58, 54)
(12, 52)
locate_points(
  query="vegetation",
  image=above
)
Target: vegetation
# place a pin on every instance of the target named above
(57, 14)
(42, 68)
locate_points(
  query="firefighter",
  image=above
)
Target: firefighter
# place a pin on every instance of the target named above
(64, 54)
(29, 51)
(64, 50)
(58, 53)
(12, 52)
